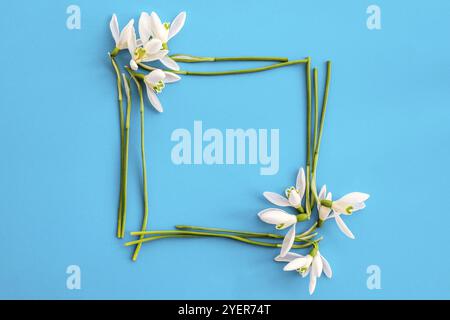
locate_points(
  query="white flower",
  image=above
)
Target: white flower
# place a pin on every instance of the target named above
(346, 205)
(155, 82)
(350, 203)
(143, 51)
(280, 218)
(120, 38)
(164, 32)
(294, 196)
(307, 265)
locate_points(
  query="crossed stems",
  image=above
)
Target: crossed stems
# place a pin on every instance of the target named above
(242, 236)
(311, 163)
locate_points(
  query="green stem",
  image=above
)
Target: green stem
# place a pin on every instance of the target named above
(195, 59)
(316, 107)
(243, 233)
(121, 119)
(125, 157)
(224, 73)
(316, 127)
(144, 166)
(322, 121)
(236, 232)
(206, 234)
(311, 229)
(308, 135)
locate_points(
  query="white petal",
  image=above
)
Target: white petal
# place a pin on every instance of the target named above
(177, 24)
(114, 26)
(341, 224)
(288, 241)
(133, 65)
(324, 213)
(154, 99)
(125, 34)
(358, 206)
(276, 199)
(171, 77)
(153, 46)
(144, 27)
(323, 192)
(131, 41)
(340, 206)
(294, 199)
(355, 197)
(301, 182)
(312, 283)
(155, 76)
(155, 56)
(329, 196)
(277, 217)
(305, 274)
(170, 63)
(317, 266)
(288, 257)
(158, 29)
(296, 264)
(326, 267)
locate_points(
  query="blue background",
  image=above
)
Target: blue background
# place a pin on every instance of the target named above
(387, 134)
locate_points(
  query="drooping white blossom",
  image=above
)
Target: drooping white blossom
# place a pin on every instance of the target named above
(311, 264)
(155, 82)
(143, 51)
(346, 205)
(294, 195)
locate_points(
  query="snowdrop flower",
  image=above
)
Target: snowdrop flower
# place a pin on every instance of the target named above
(350, 203)
(164, 32)
(294, 195)
(155, 82)
(280, 218)
(312, 264)
(144, 51)
(346, 205)
(120, 38)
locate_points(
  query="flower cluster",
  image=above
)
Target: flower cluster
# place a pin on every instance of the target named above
(151, 46)
(326, 209)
